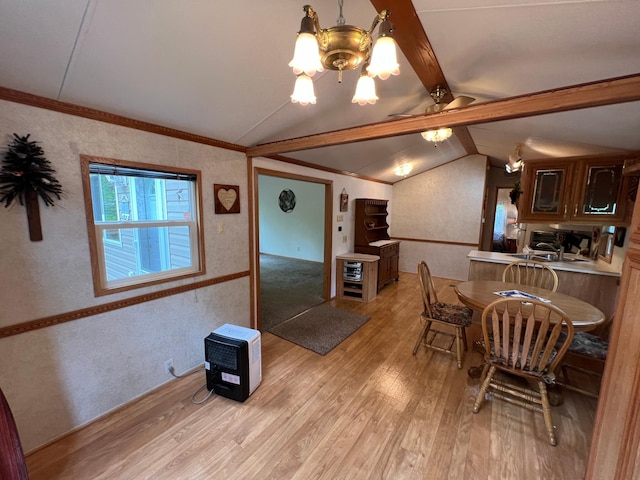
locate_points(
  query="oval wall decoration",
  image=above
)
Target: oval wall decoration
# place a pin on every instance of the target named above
(287, 200)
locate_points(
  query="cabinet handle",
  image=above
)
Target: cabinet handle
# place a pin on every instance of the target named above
(575, 211)
(565, 210)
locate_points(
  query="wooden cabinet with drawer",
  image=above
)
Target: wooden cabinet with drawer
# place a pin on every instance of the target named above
(389, 254)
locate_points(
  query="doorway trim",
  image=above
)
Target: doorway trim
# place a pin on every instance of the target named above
(255, 235)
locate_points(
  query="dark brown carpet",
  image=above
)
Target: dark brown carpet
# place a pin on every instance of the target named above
(288, 286)
(321, 328)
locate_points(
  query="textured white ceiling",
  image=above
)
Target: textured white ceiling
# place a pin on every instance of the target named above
(219, 69)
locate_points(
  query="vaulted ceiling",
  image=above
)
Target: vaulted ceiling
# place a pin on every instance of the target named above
(219, 69)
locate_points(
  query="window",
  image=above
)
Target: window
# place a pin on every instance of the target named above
(144, 223)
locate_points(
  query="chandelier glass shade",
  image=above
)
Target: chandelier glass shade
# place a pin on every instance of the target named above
(365, 91)
(344, 47)
(306, 56)
(303, 90)
(384, 60)
(439, 135)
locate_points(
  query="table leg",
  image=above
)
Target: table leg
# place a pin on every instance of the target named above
(476, 370)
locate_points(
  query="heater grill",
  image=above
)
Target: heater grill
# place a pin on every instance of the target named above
(233, 361)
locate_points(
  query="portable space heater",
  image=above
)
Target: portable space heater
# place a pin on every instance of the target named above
(233, 361)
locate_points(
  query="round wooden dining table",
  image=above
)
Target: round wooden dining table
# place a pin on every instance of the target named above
(477, 294)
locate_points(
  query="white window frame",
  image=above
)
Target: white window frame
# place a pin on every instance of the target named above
(97, 229)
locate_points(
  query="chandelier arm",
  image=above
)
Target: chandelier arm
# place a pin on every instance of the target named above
(320, 32)
(383, 15)
(313, 15)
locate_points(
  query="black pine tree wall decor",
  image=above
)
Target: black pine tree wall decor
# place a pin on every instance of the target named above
(26, 175)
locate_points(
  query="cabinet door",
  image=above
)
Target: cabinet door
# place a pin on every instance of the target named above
(601, 194)
(384, 271)
(545, 191)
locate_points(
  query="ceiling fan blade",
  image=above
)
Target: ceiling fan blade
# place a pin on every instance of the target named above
(459, 102)
(436, 107)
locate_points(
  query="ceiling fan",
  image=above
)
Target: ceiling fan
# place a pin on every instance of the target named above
(438, 94)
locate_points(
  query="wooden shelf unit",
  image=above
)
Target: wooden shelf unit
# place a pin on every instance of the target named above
(363, 290)
(372, 228)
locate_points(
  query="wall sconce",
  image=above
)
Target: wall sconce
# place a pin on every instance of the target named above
(515, 161)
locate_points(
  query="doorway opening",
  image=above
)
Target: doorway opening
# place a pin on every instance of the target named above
(293, 245)
(505, 228)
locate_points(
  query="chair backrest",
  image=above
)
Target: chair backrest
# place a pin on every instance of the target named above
(526, 335)
(429, 295)
(532, 273)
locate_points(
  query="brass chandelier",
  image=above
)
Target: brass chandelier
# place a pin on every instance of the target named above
(343, 47)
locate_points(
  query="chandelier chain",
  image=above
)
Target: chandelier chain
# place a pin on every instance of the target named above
(341, 20)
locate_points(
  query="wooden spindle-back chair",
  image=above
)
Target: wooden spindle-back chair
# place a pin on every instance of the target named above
(452, 317)
(527, 339)
(532, 273)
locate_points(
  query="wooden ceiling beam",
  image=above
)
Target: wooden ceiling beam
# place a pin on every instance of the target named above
(412, 40)
(586, 95)
(416, 47)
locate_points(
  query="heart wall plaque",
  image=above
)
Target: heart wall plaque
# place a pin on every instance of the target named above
(226, 198)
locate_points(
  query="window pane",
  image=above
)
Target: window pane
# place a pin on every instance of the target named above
(146, 225)
(109, 200)
(130, 199)
(147, 251)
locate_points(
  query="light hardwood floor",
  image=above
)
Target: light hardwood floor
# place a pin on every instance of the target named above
(369, 409)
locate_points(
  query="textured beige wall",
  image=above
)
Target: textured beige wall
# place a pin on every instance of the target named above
(443, 204)
(58, 378)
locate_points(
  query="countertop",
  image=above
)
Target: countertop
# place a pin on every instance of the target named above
(362, 257)
(382, 243)
(588, 266)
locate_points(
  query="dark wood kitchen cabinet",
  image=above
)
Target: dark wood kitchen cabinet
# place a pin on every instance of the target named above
(545, 190)
(372, 237)
(587, 189)
(601, 192)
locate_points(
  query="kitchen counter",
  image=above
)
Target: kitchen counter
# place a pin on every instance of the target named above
(594, 282)
(586, 266)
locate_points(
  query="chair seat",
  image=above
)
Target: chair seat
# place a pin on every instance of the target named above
(588, 345)
(437, 318)
(449, 313)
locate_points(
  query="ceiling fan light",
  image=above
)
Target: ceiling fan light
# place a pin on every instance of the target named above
(403, 170)
(439, 135)
(365, 91)
(303, 90)
(306, 55)
(384, 59)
